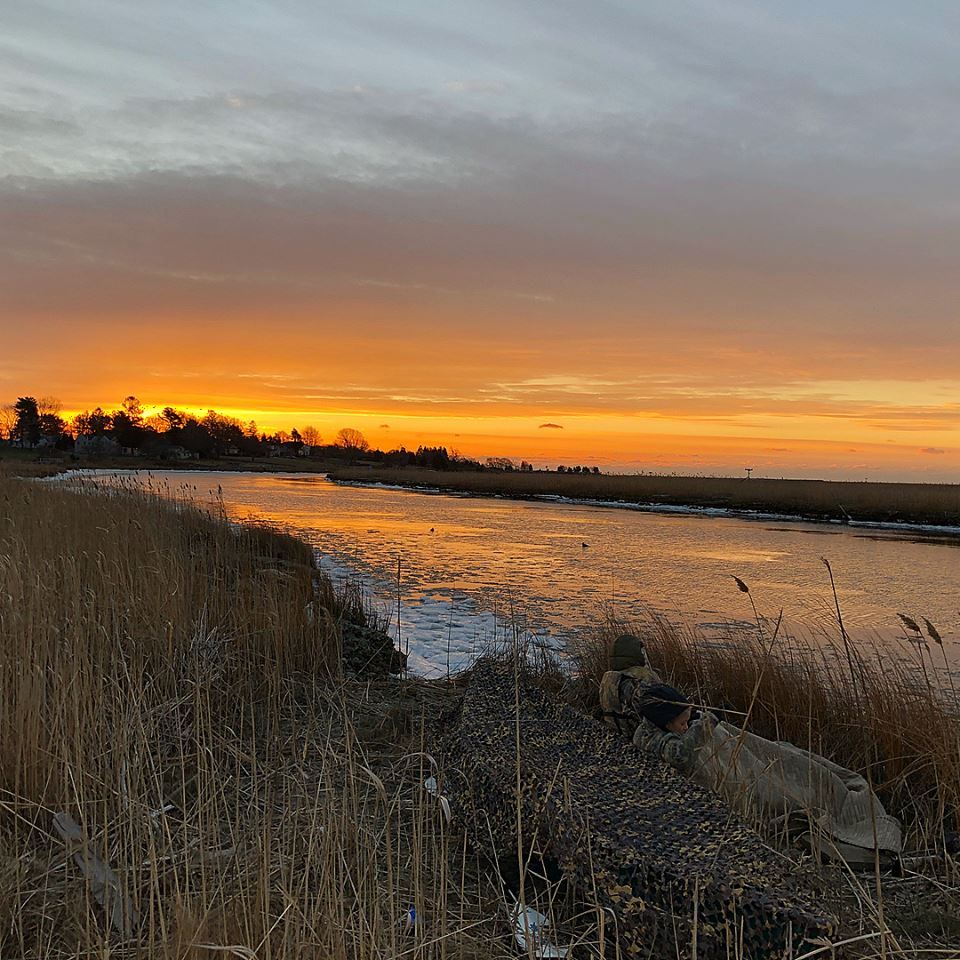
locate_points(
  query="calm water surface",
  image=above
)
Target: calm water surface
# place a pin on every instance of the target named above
(470, 568)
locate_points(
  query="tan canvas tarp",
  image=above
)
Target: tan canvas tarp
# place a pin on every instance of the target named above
(778, 779)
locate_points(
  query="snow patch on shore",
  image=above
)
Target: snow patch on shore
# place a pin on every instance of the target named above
(441, 630)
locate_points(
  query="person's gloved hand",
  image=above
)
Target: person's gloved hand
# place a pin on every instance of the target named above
(700, 730)
(702, 716)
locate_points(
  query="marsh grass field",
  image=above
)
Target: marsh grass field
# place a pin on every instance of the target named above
(936, 504)
(28, 462)
(173, 683)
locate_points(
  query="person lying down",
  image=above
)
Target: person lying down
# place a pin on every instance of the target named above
(775, 779)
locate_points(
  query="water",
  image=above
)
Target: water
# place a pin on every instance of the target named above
(472, 569)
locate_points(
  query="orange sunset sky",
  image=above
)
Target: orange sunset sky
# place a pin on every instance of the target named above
(690, 236)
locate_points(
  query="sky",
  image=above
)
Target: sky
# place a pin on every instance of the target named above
(693, 236)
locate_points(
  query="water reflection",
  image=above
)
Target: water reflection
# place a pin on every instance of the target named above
(472, 568)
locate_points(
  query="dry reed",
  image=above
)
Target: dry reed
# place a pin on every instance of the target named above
(165, 681)
(816, 499)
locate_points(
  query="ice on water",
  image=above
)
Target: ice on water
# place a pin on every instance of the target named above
(442, 630)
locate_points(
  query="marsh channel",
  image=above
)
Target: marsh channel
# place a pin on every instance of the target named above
(474, 570)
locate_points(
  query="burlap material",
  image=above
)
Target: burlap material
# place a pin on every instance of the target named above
(778, 779)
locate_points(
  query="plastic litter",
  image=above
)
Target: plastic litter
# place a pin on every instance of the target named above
(430, 785)
(531, 930)
(409, 921)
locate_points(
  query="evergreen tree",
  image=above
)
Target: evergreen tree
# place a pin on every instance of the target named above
(26, 429)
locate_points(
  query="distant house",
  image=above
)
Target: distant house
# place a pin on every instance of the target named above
(98, 445)
(160, 448)
(174, 452)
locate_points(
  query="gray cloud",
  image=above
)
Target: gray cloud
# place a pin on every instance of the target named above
(528, 212)
(776, 183)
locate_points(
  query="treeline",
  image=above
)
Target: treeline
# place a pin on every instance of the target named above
(170, 434)
(174, 434)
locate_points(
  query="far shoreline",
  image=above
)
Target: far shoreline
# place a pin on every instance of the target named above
(909, 508)
(680, 510)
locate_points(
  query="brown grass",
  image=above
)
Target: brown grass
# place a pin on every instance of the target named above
(28, 463)
(165, 678)
(815, 499)
(47, 463)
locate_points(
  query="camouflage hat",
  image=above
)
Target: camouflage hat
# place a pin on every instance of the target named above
(628, 651)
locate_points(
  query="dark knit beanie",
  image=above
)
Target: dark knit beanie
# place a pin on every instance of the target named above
(660, 703)
(628, 651)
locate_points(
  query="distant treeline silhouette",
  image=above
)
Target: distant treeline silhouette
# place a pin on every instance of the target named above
(175, 434)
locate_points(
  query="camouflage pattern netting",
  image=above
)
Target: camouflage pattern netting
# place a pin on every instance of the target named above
(630, 832)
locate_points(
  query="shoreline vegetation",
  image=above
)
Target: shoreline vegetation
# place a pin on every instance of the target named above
(935, 505)
(174, 684)
(190, 694)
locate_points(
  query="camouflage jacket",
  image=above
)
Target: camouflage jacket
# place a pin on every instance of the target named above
(679, 750)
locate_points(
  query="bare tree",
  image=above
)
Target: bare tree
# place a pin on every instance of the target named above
(352, 439)
(133, 409)
(49, 405)
(311, 436)
(172, 418)
(8, 420)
